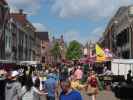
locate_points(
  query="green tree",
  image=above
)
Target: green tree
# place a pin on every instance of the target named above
(56, 51)
(74, 51)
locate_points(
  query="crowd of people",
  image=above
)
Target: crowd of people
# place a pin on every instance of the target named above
(61, 82)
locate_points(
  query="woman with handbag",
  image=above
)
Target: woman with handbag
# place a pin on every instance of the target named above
(27, 90)
(31, 91)
(92, 85)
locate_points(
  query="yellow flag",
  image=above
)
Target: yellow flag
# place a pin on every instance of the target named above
(100, 54)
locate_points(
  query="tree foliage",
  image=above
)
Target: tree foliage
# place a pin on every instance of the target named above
(74, 51)
(56, 51)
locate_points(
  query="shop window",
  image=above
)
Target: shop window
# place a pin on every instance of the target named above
(43, 59)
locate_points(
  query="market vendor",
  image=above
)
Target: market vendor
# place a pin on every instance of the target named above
(129, 77)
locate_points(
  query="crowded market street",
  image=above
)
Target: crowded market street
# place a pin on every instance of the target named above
(66, 49)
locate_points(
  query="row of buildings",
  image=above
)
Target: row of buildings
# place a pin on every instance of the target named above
(19, 40)
(89, 49)
(118, 35)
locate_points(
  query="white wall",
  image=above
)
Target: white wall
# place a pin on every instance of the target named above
(121, 67)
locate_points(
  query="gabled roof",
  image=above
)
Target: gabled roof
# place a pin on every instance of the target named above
(19, 18)
(3, 2)
(22, 19)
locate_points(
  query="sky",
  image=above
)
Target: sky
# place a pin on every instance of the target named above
(82, 20)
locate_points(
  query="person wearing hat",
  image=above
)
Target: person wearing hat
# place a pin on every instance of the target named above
(13, 87)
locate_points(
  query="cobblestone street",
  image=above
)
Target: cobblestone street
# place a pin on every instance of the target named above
(104, 95)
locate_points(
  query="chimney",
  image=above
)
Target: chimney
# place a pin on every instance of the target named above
(21, 12)
(62, 38)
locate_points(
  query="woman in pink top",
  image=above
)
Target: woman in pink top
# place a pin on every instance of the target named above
(78, 74)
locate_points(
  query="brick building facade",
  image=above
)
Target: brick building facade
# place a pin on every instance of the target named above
(4, 18)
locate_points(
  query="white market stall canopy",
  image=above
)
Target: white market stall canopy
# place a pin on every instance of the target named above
(30, 62)
(121, 66)
(6, 61)
(123, 61)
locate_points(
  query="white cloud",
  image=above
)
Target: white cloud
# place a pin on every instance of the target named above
(74, 35)
(71, 35)
(30, 6)
(93, 9)
(93, 36)
(40, 27)
(96, 34)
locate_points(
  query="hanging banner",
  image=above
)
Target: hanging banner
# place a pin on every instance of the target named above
(100, 54)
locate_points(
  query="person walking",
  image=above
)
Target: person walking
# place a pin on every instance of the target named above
(29, 91)
(64, 73)
(78, 73)
(68, 93)
(37, 92)
(13, 87)
(51, 86)
(92, 85)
